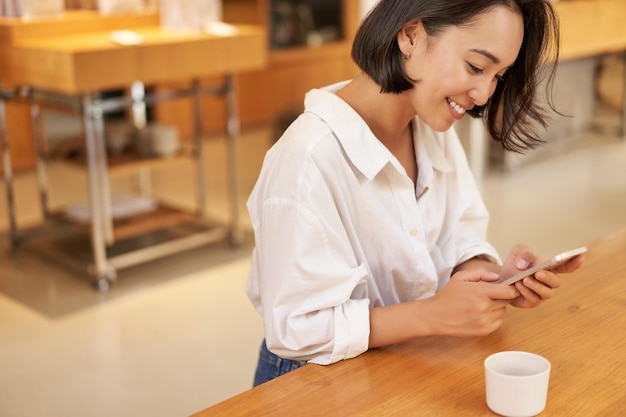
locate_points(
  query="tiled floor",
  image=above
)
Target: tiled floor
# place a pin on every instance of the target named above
(177, 335)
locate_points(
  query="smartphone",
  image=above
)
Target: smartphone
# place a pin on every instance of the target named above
(548, 264)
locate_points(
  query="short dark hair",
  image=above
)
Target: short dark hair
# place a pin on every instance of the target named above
(512, 114)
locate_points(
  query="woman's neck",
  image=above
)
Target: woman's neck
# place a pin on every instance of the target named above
(387, 115)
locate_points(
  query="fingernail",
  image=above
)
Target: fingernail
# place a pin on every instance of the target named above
(522, 264)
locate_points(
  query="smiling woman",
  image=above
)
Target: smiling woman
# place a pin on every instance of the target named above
(369, 228)
(509, 112)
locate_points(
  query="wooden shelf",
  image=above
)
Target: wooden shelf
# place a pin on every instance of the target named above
(129, 162)
(126, 164)
(160, 218)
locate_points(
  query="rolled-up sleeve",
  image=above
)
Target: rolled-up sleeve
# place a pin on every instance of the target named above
(305, 278)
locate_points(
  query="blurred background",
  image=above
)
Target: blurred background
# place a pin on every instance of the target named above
(177, 334)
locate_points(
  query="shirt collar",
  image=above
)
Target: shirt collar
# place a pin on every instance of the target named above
(432, 144)
(363, 149)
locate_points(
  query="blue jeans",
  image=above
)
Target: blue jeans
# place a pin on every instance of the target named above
(271, 366)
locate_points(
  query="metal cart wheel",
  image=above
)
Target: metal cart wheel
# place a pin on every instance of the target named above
(104, 281)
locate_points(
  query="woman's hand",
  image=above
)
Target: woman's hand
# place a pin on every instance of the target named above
(468, 307)
(540, 286)
(519, 259)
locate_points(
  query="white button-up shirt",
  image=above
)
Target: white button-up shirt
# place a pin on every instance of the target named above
(340, 228)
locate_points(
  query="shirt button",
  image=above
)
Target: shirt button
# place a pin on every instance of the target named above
(413, 232)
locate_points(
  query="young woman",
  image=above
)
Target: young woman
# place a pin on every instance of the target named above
(369, 228)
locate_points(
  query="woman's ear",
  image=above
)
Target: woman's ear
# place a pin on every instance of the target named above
(409, 36)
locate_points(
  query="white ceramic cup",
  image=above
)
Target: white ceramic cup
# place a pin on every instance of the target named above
(516, 383)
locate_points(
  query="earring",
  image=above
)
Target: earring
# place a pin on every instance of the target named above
(407, 56)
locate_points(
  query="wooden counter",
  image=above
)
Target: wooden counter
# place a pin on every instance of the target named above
(74, 64)
(591, 27)
(70, 22)
(582, 331)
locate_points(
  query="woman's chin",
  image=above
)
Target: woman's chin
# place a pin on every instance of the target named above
(440, 125)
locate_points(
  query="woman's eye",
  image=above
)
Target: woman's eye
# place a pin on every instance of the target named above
(475, 69)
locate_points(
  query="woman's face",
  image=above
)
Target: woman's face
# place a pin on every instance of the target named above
(460, 67)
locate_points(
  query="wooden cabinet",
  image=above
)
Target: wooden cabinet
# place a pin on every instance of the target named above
(275, 93)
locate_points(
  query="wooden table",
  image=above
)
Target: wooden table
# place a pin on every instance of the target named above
(582, 331)
(74, 55)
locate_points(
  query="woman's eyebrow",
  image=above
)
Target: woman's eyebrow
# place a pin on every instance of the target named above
(488, 54)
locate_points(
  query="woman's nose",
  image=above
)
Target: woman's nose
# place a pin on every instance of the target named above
(482, 91)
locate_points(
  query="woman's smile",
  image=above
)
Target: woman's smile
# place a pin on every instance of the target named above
(457, 110)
